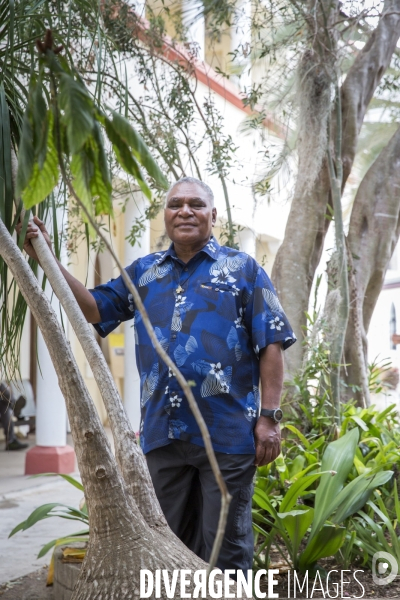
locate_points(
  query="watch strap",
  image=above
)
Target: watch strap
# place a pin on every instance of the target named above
(272, 414)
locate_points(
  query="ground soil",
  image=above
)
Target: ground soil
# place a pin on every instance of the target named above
(33, 587)
(30, 587)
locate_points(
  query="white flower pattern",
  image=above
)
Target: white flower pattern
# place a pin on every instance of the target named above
(276, 323)
(216, 370)
(239, 321)
(175, 400)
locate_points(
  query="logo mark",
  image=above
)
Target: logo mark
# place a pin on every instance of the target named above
(384, 568)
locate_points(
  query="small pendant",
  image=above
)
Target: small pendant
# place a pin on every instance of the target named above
(179, 289)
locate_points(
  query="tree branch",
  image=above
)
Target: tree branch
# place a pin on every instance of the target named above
(373, 234)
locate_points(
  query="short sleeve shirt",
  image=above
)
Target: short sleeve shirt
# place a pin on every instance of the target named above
(213, 316)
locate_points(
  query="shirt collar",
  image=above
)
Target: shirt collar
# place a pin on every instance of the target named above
(212, 248)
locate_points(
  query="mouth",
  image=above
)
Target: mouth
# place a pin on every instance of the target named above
(185, 226)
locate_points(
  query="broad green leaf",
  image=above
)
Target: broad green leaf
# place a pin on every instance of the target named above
(101, 193)
(301, 437)
(359, 422)
(312, 458)
(43, 180)
(396, 501)
(296, 523)
(296, 489)
(318, 442)
(68, 478)
(25, 153)
(359, 465)
(381, 415)
(297, 466)
(261, 498)
(139, 148)
(383, 515)
(41, 123)
(78, 116)
(40, 513)
(125, 157)
(338, 457)
(326, 543)
(309, 468)
(82, 171)
(100, 184)
(74, 537)
(355, 495)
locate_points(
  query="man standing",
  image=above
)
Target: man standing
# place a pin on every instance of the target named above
(215, 312)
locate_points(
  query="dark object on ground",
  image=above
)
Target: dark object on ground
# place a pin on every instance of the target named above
(16, 445)
(10, 405)
(7, 404)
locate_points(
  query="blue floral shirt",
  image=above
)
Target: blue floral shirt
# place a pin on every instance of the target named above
(212, 315)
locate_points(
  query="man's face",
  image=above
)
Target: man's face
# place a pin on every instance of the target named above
(189, 214)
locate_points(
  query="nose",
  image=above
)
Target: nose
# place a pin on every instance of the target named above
(186, 210)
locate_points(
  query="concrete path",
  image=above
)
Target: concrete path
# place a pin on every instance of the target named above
(18, 555)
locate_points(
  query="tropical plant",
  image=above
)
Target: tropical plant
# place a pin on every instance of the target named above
(63, 511)
(374, 529)
(308, 523)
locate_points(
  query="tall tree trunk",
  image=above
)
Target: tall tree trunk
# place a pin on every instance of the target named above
(121, 542)
(373, 234)
(129, 455)
(300, 253)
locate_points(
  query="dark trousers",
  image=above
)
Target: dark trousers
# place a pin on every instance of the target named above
(6, 412)
(190, 499)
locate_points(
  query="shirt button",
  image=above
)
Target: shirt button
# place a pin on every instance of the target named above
(174, 336)
(217, 289)
(186, 269)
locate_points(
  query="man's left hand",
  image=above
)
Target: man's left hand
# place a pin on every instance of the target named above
(267, 436)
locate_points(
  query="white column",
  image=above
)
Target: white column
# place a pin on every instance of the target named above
(247, 242)
(241, 41)
(193, 20)
(135, 207)
(51, 453)
(51, 412)
(51, 415)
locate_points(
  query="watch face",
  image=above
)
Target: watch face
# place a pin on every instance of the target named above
(278, 414)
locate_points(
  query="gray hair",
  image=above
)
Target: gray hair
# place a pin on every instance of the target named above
(203, 185)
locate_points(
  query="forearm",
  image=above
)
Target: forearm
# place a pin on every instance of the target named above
(271, 375)
(267, 432)
(83, 297)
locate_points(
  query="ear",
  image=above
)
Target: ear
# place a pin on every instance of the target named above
(214, 216)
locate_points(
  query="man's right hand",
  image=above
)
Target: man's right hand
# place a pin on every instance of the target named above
(31, 233)
(84, 298)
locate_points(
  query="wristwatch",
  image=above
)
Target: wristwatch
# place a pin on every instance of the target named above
(276, 414)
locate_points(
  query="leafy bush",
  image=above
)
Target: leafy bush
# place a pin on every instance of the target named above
(308, 522)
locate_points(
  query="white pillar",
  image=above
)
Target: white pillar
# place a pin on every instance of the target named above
(51, 414)
(51, 453)
(241, 41)
(135, 207)
(247, 241)
(193, 20)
